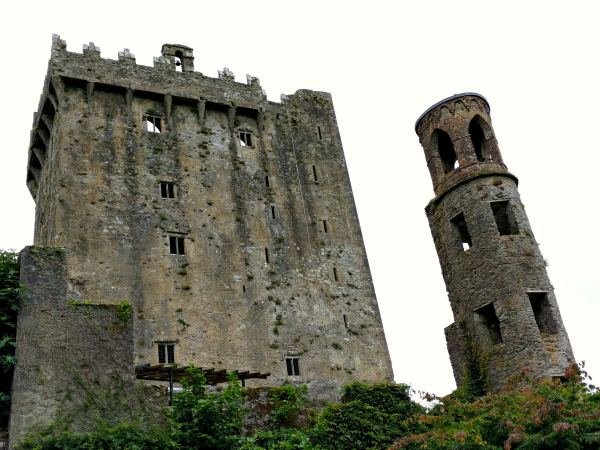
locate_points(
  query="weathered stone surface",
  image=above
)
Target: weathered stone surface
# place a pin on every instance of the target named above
(284, 195)
(499, 290)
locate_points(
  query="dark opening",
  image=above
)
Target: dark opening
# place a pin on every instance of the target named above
(504, 219)
(446, 151)
(166, 354)
(325, 226)
(315, 173)
(477, 138)
(267, 255)
(487, 316)
(293, 368)
(335, 275)
(461, 225)
(542, 312)
(244, 289)
(267, 181)
(272, 212)
(153, 124)
(167, 190)
(345, 321)
(176, 245)
(178, 61)
(246, 139)
(319, 128)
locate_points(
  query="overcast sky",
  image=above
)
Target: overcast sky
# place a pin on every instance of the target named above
(384, 63)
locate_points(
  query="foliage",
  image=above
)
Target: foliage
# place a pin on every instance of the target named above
(10, 291)
(528, 414)
(201, 420)
(372, 417)
(287, 402)
(123, 437)
(124, 312)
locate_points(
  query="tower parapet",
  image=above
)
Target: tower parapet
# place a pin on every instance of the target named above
(500, 293)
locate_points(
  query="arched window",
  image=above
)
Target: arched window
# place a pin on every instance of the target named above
(477, 138)
(445, 150)
(179, 61)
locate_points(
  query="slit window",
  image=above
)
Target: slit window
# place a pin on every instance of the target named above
(335, 274)
(461, 226)
(272, 212)
(244, 289)
(542, 312)
(246, 139)
(319, 128)
(154, 124)
(505, 220)
(267, 255)
(486, 315)
(179, 61)
(167, 190)
(325, 229)
(292, 366)
(315, 173)
(345, 321)
(176, 245)
(477, 138)
(267, 181)
(166, 354)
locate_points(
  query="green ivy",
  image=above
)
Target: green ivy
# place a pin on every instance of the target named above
(124, 312)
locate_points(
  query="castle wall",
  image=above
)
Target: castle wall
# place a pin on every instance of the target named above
(221, 304)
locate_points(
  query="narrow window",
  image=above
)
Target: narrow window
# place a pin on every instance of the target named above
(167, 190)
(477, 138)
(461, 226)
(153, 124)
(179, 61)
(345, 321)
(272, 212)
(445, 150)
(246, 139)
(325, 226)
(176, 246)
(335, 275)
(244, 289)
(292, 366)
(267, 181)
(542, 312)
(319, 128)
(315, 173)
(504, 218)
(166, 354)
(267, 255)
(487, 316)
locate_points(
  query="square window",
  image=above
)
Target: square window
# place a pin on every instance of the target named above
(154, 124)
(176, 245)
(167, 190)
(504, 218)
(293, 368)
(460, 225)
(245, 139)
(166, 354)
(486, 316)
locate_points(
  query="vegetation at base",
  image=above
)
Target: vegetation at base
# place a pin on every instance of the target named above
(10, 292)
(528, 414)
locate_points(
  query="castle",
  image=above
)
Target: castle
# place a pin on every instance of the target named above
(505, 312)
(183, 219)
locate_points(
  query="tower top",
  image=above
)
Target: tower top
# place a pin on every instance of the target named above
(455, 96)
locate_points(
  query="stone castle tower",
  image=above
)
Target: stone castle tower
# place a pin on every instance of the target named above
(225, 220)
(501, 297)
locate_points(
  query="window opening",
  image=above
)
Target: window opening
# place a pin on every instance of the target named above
(272, 212)
(244, 289)
(176, 246)
(505, 222)
(319, 128)
(345, 321)
(487, 316)
(246, 139)
(166, 354)
(335, 275)
(477, 138)
(315, 173)
(542, 312)
(178, 61)
(167, 190)
(461, 225)
(446, 151)
(267, 181)
(292, 365)
(153, 124)
(267, 255)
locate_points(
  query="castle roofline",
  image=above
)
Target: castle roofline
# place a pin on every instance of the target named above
(464, 94)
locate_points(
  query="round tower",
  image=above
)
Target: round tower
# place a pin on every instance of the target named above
(505, 313)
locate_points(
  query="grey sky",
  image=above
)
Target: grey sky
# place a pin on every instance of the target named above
(384, 63)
